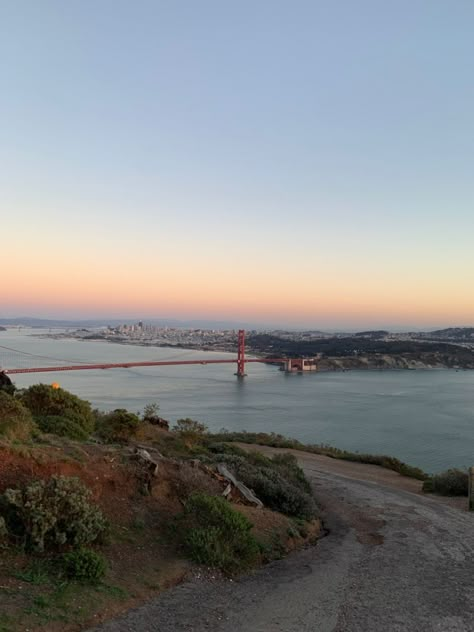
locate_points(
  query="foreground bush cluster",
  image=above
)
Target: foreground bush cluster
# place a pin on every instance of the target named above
(56, 515)
(84, 564)
(450, 483)
(215, 534)
(56, 410)
(44, 408)
(53, 516)
(47, 514)
(279, 483)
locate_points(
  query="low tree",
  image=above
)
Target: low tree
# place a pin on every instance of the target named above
(117, 426)
(190, 431)
(151, 411)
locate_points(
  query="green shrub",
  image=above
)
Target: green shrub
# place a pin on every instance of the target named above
(37, 572)
(47, 514)
(279, 441)
(45, 401)
(61, 426)
(450, 483)
(84, 564)
(382, 460)
(16, 422)
(277, 484)
(216, 534)
(287, 466)
(118, 426)
(190, 431)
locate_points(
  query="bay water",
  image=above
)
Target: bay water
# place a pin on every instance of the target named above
(423, 417)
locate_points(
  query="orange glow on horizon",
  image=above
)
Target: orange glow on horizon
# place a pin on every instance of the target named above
(160, 284)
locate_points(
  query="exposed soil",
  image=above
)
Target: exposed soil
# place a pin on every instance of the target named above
(142, 558)
(394, 560)
(140, 561)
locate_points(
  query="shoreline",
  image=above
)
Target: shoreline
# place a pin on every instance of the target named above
(342, 364)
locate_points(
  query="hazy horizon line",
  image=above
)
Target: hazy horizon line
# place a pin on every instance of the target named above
(230, 324)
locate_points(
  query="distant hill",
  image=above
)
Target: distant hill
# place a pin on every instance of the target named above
(378, 333)
(460, 333)
(349, 346)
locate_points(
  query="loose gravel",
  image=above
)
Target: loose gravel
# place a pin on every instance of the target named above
(393, 561)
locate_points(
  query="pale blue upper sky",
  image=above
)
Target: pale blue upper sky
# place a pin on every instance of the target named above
(231, 130)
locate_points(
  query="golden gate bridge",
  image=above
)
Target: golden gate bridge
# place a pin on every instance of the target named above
(287, 364)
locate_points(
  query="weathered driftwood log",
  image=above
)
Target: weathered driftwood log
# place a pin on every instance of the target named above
(243, 489)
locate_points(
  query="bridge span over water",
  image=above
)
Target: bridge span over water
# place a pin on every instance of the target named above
(289, 365)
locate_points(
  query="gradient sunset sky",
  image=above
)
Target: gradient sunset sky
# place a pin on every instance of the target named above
(302, 163)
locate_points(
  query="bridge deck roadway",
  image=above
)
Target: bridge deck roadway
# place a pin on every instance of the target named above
(128, 365)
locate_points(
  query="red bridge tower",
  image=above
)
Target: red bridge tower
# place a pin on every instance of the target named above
(241, 354)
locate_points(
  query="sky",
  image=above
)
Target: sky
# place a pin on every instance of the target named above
(293, 162)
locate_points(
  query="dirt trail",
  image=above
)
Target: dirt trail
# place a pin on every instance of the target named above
(318, 463)
(394, 560)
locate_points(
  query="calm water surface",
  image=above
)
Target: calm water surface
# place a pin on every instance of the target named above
(425, 418)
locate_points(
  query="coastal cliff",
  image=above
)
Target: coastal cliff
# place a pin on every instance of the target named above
(405, 361)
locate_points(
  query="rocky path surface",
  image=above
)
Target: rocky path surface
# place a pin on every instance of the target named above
(393, 560)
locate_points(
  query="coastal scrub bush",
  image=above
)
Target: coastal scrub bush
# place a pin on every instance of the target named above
(16, 422)
(118, 426)
(279, 441)
(449, 483)
(190, 431)
(382, 460)
(49, 513)
(44, 402)
(272, 439)
(281, 486)
(287, 466)
(84, 565)
(216, 534)
(61, 426)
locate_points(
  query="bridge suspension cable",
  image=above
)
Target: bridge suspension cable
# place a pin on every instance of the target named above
(82, 365)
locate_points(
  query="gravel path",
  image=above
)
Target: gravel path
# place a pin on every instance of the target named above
(393, 561)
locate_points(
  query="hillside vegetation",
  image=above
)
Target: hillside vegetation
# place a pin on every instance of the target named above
(100, 511)
(363, 351)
